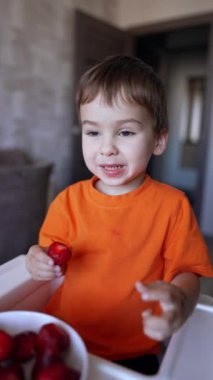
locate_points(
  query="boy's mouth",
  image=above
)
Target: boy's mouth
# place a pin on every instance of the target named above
(112, 167)
(113, 170)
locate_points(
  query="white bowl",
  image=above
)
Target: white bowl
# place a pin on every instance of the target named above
(15, 322)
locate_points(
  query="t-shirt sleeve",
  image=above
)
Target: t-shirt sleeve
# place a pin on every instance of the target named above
(185, 249)
(56, 225)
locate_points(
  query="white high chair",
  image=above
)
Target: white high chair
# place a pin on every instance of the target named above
(189, 351)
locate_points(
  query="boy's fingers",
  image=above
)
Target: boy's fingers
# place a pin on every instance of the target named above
(160, 327)
(42, 266)
(146, 313)
(139, 286)
(156, 335)
(55, 270)
(44, 276)
(58, 271)
(157, 291)
(45, 259)
(148, 289)
(155, 323)
(156, 327)
(167, 323)
(41, 256)
(44, 272)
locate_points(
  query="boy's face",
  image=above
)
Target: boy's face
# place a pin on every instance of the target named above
(118, 142)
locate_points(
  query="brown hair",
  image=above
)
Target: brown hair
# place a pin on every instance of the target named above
(130, 78)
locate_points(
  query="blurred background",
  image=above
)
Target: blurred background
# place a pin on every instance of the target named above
(45, 45)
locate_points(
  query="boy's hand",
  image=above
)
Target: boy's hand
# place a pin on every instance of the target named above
(40, 265)
(172, 300)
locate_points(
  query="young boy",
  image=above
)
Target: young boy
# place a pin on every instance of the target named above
(133, 278)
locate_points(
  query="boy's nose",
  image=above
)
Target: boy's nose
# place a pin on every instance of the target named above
(108, 147)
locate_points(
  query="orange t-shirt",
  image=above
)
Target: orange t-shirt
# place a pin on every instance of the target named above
(148, 234)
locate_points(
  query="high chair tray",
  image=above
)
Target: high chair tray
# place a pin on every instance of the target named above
(189, 351)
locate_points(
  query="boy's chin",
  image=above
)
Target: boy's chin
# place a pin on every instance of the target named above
(116, 186)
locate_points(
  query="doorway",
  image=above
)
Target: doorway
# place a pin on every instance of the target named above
(180, 58)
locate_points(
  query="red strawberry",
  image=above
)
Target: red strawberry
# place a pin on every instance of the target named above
(6, 345)
(24, 345)
(52, 338)
(43, 360)
(59, 253)
(58, 371)
(12, 372)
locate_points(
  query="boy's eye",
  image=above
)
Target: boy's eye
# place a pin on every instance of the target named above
(126, 133)
(92, 133)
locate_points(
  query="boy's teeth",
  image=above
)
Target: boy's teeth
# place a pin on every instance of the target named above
(113, 167)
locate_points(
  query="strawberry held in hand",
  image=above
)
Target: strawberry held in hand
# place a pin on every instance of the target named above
(59, 253)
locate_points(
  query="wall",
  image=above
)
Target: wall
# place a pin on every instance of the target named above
(143, 12)
(36, 71)
(36, 62)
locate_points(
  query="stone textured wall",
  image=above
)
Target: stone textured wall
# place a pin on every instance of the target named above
(36, 62)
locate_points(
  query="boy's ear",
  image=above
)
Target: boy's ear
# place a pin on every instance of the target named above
(160, 143)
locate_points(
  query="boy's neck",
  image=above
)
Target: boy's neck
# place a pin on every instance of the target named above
(119, 190)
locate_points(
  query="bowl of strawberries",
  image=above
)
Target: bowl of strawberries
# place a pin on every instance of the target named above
(37, 346)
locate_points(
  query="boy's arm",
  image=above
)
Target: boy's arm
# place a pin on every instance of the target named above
(177, 300)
